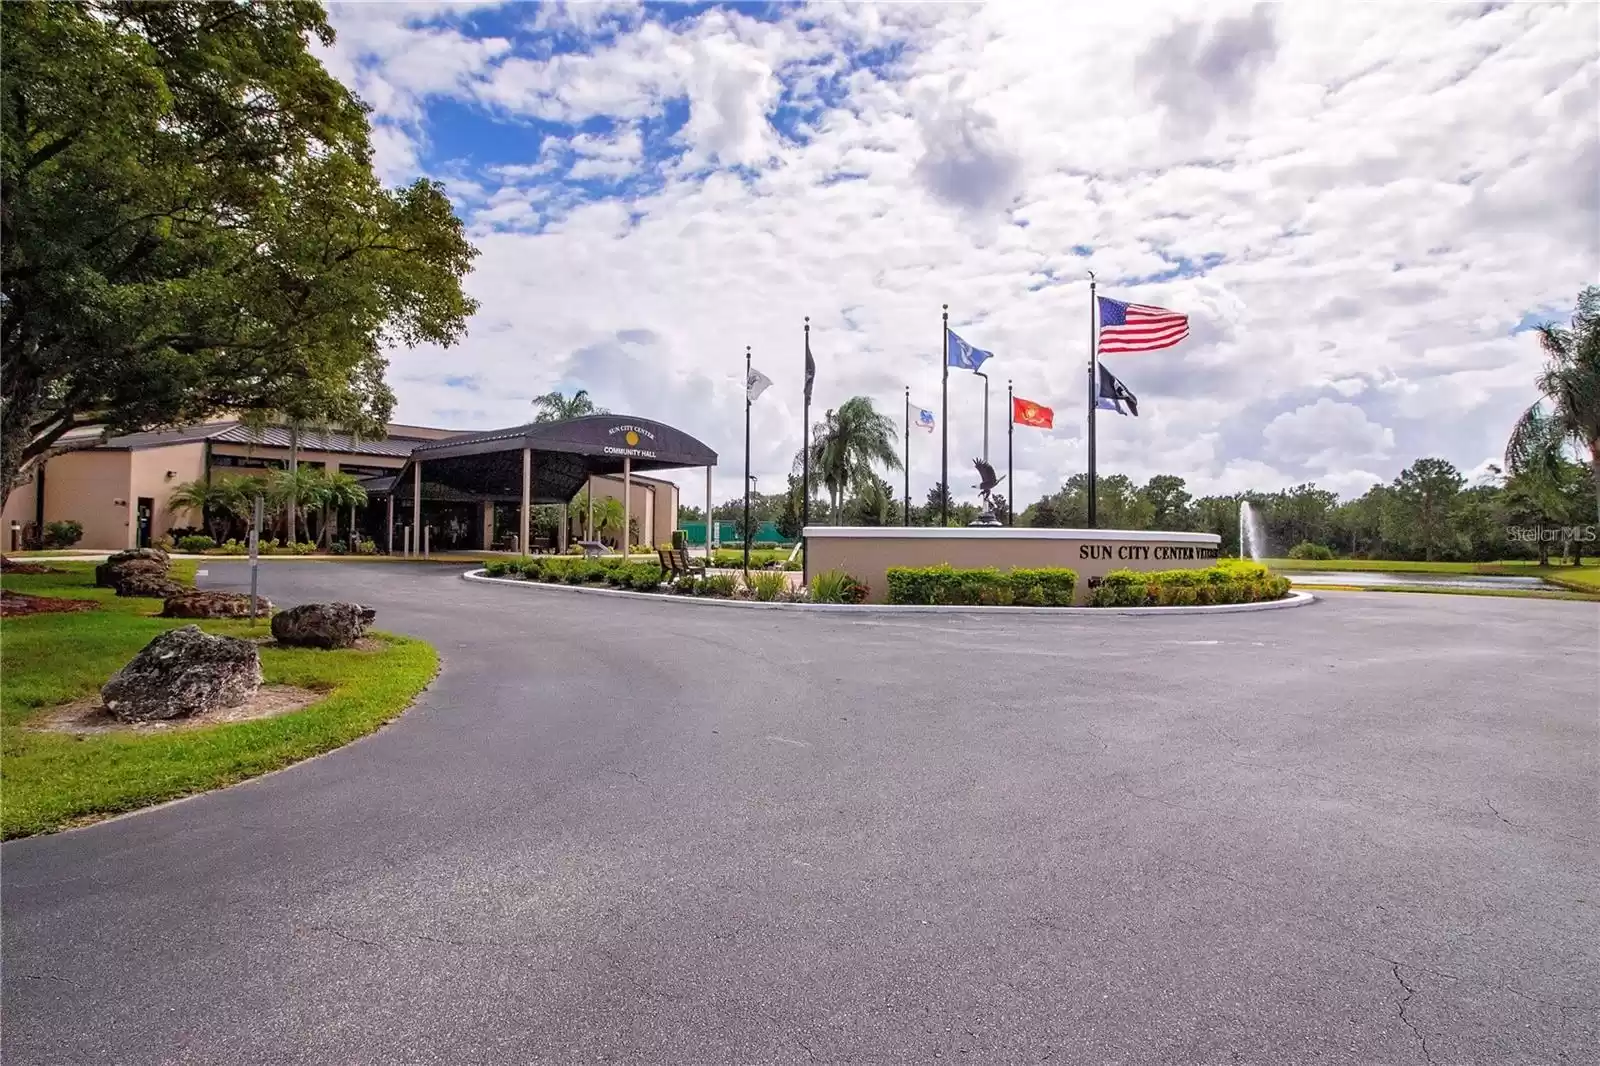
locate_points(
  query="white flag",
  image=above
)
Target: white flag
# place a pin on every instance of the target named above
(755, 385)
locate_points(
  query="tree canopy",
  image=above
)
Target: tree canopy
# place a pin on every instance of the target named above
(557, 407)
(191, 224)
(1570, 384)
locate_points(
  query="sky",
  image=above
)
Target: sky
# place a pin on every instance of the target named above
(1363, 209)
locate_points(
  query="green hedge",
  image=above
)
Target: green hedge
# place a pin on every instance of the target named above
(564, 570)
(982, 587)
(1234, 581)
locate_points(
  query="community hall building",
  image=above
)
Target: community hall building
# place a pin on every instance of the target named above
(468, 490)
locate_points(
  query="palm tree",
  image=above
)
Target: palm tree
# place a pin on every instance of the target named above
(556, 407)
(339, 491)
(608, 518)
(295, 491)
(216, 501)
(1570, 381)
(846, 445)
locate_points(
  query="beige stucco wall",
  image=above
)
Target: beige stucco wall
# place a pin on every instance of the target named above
(84, 487)
(868, 556)
(654, 505)
(155, 473)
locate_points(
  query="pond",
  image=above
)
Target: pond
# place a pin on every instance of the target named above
(1414, 579)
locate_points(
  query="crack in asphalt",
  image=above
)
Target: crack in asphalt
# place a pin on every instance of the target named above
(1498, 815)
(1421, 1036)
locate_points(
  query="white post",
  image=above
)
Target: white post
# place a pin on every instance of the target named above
(416, 505)
(527, 501)
(427, 540)
(708, 516)
(627, 503)
(388, 533)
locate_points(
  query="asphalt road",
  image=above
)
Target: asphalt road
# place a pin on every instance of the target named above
(1363, 831)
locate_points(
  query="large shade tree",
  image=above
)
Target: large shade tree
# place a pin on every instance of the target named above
(191, 224)
(848, 444)
(1570, 384)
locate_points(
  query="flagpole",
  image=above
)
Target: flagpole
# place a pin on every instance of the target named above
(944, 425)
(747, 463)
(906, 514)
(985, 378)
(805, 457)
(1094, 379)
(1011, 428)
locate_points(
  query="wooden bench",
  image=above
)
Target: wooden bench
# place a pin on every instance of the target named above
(676, 563)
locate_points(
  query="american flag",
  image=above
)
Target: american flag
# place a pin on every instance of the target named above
(1126, 327)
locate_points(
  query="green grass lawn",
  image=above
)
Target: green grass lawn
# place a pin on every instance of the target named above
(54, 780)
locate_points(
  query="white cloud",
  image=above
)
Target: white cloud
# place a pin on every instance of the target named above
(1357, 214)
(1327, 435)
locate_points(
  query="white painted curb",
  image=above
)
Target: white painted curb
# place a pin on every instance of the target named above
(1294, 599)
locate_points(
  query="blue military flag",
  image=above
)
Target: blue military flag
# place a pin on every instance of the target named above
(959, 353)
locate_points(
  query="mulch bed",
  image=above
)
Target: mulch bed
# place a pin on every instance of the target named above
(13, 604)
(8, 566)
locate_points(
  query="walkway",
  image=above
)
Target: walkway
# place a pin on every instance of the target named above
(1358, 832)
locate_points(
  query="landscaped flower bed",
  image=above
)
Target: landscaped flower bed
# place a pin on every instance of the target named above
(766, 586)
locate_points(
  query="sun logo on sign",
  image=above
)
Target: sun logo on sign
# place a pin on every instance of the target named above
(632, 438)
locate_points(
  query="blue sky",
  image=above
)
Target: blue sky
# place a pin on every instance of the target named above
(1362, 211)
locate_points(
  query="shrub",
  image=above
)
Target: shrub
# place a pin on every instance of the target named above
(304, 547)
(497, 568)
(793, 568)
(63, 534)
(688, 585)
(164, 542)
(836, 586)
(769, 586)
(1044, 586)
(1308, 550)
(721, 586)
(764, 545)
(644, 577)
(196, 543)
(1231, 582)
(982, 587)
(231, 547)
(367, 547)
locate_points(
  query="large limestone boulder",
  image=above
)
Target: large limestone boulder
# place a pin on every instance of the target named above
(183, 672)
(153, 586)
(154, 555)
(322, 625)
(109, 575)
(195, 603)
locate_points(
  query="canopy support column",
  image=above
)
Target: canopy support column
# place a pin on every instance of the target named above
(523, 514)
(416, 506)
(708, 515)
(627, 504)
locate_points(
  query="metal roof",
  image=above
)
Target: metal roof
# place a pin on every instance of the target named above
(271, 436)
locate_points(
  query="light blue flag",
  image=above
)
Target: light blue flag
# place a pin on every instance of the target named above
(959, 353)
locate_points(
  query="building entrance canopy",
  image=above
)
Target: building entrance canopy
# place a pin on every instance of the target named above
(543, 462)
(564, 454)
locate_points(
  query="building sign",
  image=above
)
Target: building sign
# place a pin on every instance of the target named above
(632, 440)
(1127, 552)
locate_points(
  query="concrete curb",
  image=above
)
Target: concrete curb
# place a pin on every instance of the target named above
(1294, 599)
